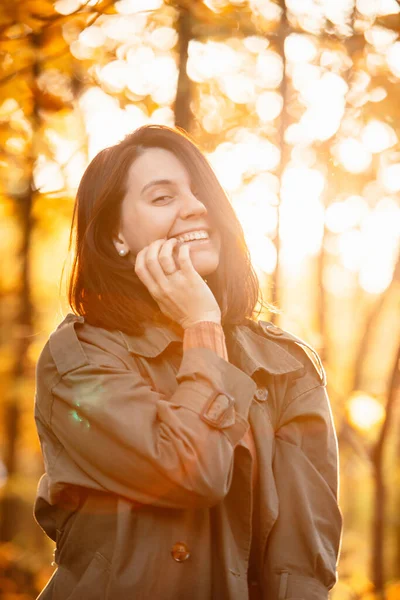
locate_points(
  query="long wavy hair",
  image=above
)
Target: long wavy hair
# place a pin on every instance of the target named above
(103, 287)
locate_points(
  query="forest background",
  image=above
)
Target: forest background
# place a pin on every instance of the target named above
(296, 105)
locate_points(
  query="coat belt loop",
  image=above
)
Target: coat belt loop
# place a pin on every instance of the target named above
(283, 584)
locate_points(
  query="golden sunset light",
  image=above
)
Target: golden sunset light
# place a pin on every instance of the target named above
(294, 104)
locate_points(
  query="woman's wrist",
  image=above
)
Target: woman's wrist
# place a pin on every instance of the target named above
(206, 334)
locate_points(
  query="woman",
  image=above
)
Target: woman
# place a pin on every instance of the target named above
(189, 450)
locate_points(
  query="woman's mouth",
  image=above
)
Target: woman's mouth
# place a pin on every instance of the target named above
(193, 236)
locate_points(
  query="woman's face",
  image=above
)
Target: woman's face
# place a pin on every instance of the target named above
(160, 203)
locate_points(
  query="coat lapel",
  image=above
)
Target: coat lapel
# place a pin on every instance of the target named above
(248, 350)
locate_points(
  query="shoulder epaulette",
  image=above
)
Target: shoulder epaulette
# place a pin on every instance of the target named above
(274, 332)
(65, 346)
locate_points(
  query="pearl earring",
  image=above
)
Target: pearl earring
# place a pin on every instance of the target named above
(122, 252)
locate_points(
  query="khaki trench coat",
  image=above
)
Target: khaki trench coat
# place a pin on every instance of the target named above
(147, 490)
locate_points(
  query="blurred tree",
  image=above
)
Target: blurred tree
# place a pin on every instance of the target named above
(36, 84)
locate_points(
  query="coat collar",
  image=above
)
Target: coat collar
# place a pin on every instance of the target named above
(248, 350)
(254, 351)
(154, 340)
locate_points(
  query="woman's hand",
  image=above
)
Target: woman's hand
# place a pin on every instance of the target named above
(178, 289)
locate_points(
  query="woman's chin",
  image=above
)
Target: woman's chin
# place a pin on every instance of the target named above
(204, 265)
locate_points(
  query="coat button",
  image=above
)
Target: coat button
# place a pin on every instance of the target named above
(261, 394)
(180, 552)
(274, 330)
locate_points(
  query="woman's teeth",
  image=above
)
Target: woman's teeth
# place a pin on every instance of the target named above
(194, 235)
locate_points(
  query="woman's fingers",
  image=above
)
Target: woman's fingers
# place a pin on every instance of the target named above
(184, 260)
(148, 268)
(166, 258)
(183, 296)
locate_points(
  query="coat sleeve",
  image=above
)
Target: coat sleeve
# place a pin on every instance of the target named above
(304, 543)
(105, 426)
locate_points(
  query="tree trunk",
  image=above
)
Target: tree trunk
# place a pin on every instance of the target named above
(183, 115)
(396, 566)
(23, 329)
(276, 276)
(22, 338)
(378, 574)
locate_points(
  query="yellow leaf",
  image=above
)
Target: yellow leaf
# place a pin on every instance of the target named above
(393, 591)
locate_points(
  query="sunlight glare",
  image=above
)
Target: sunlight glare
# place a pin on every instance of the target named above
(393, 58)
(338, 281)
(380, 238)
(340, 216)
(269, 106)
(380, 37)
(80, 51)
(377, 94)
(47, 175)
(249, 156)
(109, 123)
(128, 7)
(129, 28)
(378, 136)
(212, 60)
(66, 7)
(270, 11)
(255, 43)
(304, 156)
(300, 48)
(376, 277)
(325, 101)
(322, 122)
(212, 110)
(308, 14)
(304, 74)
(351, 249)
(262, 251)
(92, 37)
(16, 145)
(301, 204)
(312, 15)
(163, 73)
(227, 166)
(365, 412)
(324, 89)
(114, 75)
(303, 181)
(256, 207)
(389, 175)
(269, 69)
(164, 116)
(239, 87)
(163, 38)
(353, 155)
(374, 8)
(216, 5)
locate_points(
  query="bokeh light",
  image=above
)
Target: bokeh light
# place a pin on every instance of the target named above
(377, 136)
(353, 155)
(365, 412)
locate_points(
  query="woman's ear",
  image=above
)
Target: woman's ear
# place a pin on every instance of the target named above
(120, 243)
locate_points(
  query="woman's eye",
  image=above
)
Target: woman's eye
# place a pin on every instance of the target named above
(161, 199)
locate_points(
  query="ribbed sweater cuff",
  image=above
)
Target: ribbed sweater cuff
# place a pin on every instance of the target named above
(206, 334)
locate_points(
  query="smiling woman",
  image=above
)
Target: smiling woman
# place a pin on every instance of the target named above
(160, 198)
(155, 185)
(180, 436)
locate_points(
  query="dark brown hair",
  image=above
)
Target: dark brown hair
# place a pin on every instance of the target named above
(103, 287)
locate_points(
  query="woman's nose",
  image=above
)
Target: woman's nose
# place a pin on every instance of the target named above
(191, 206)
